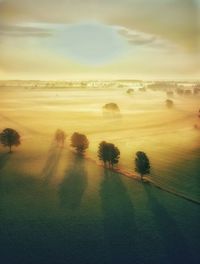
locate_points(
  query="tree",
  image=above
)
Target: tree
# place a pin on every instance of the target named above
(142, 163)
(103, 152)
(188, 92)
(79, 142)
(130, 91)
(169, 103)
(10, 137)
(114, 155)
(180, 90)
(196, 89)
(197, 126)
(170, 93)
(112, 108)
(108, 153)
(142, 89)
(60, 137)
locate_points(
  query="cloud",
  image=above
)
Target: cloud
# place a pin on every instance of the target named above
(23, 31)
(137, 38)
(175, 20)
(149, 26)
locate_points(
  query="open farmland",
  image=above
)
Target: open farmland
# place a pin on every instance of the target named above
(57, 207)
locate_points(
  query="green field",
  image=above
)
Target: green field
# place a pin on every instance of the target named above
(56, 207)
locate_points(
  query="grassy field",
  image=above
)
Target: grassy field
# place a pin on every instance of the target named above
(58, 208)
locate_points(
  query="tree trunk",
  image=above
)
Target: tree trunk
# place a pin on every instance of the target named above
(10, 149)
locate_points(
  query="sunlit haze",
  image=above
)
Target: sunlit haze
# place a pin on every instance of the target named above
(99, 131)
(99, 39)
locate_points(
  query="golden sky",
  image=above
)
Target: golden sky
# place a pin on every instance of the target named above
(65, 39)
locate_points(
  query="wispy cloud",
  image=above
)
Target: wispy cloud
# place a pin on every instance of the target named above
(175, 20)
(23, 31)
(137, 38)
(170, 28)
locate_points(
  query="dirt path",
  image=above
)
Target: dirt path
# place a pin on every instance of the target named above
(130, 174)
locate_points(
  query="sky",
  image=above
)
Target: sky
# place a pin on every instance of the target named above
(99, 39)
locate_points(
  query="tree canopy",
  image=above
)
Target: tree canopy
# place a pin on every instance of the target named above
(170, 93)
(79, 142)
(108, 153)
(142, 163)
(60, 137)
(111, 110)
(169, 103)
(130, 91)
(10, 137)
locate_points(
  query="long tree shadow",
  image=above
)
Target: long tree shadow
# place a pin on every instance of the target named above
(3, 159)
(30, 219)
(173, 242)
(50, 168)
(119, 220)
(74, 183)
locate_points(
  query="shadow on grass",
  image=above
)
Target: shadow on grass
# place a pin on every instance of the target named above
(74, 183)
(50, 168)
(28, 223)
(34, 229)
(3, 159)
(119, 221)
(172, 240)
